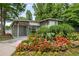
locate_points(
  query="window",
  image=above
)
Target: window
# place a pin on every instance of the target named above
(33, 29)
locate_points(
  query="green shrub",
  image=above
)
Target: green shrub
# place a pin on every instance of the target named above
(60, 34)
(42, 29)
(73, 36)
(66, 28)
(50, 35)
(45, 33)
(54, 28)
(27, 41)
(62, 28)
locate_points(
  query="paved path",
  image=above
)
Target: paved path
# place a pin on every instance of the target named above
(9, 46)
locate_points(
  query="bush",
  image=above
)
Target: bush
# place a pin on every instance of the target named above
(63, 28)
(59, 34)
(54, 29)
(49, 36)
(42, 29)
(44, 32)
(73, 36)
(66, 28)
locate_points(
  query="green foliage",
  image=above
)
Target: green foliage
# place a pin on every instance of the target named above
(9, 11)
(49, 36)
(22, 18)
(44, 32)
(49, 10)
(28, 15)
(55, 51)
(61, 29)
(42, 29)
(55, 30)
(7, 27)
(67, 12)
(27, 41)
(69, 52)
(66, 28)
(60, 34)
(73, 36)
(71, 14)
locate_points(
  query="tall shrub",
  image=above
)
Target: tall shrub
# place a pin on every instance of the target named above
(64, 28)
(42, 29)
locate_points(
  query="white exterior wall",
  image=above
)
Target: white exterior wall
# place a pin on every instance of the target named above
(52, 23)
(32, 23)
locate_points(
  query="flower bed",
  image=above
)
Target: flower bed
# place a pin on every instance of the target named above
(36, 46)
(43, 46)
(55, 41)
(69, 52)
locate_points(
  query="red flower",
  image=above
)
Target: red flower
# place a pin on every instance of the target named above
(60, 41)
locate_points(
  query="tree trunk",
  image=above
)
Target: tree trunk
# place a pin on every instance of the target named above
(2, 22)
(4, 26)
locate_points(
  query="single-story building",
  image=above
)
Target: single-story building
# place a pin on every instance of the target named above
(24, 27)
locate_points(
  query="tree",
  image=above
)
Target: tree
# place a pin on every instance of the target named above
(7, 27)
(22, 18)
(39, 9)
(28, 15)
(71, 15)
(49, 10)
(10, 11)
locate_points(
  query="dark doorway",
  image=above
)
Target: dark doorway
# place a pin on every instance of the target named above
(22, 31)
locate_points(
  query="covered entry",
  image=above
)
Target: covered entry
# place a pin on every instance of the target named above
(23, 28)
(20, 28)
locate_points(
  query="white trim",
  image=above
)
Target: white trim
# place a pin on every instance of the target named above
(33, 23)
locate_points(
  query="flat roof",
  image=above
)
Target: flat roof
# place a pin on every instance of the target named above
(48, 19)
(51, 19)
(24, 21)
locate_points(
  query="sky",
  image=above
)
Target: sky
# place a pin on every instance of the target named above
(28, 7)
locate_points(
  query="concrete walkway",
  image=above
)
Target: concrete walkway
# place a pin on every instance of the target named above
(9, 46)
